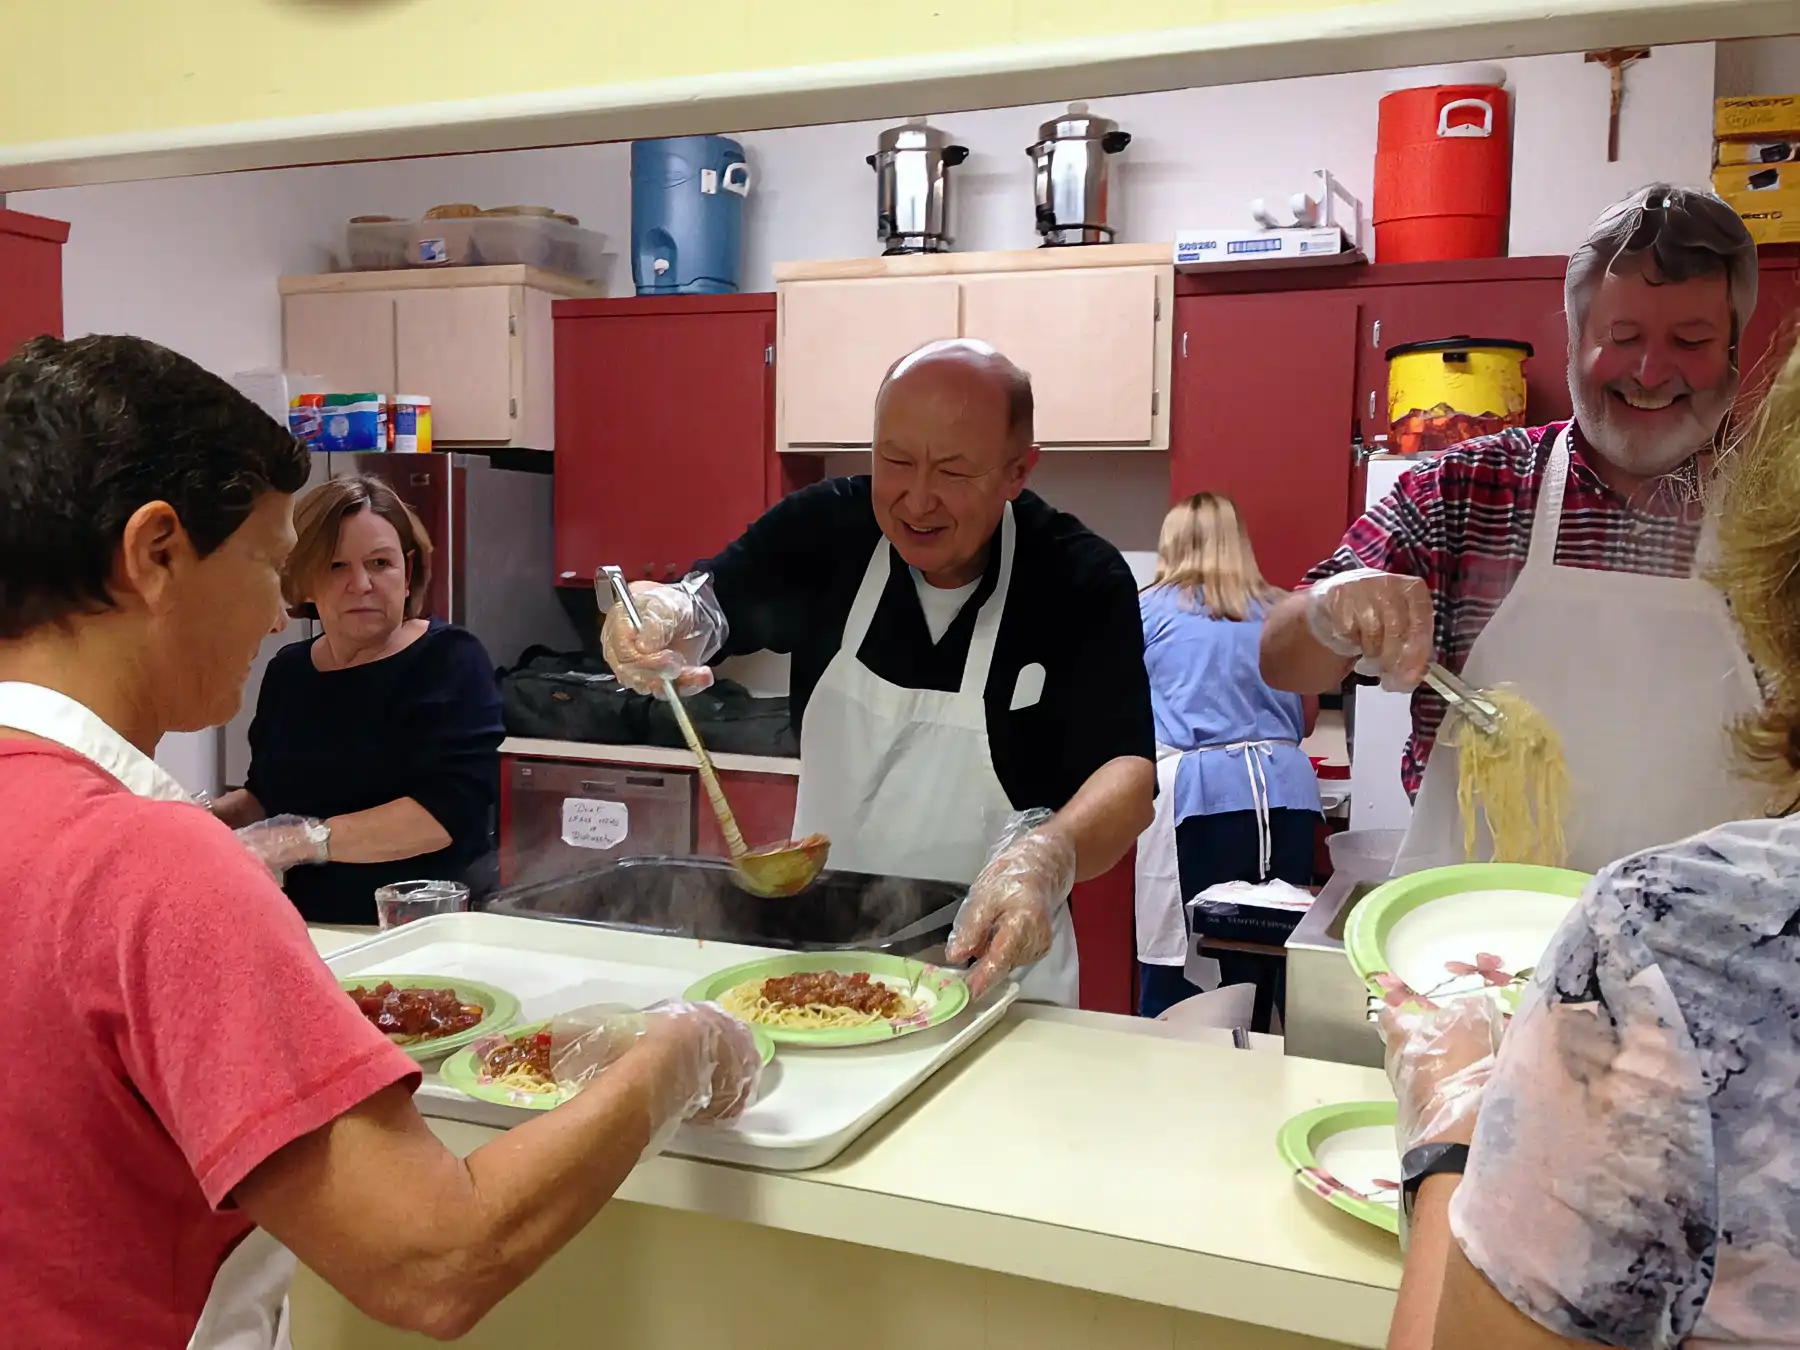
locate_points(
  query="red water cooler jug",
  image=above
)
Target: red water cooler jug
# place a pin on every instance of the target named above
(1443, 172)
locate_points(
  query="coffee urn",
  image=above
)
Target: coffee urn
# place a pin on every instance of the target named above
(912, 188)
(1072, 157)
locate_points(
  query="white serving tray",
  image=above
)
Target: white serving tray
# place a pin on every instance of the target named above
(813, 1103)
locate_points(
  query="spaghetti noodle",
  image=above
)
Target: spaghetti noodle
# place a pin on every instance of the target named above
(1517, 778)
(521, 1064)
(817, 1000)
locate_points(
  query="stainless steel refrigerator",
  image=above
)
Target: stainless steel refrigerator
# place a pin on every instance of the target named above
(493, 561)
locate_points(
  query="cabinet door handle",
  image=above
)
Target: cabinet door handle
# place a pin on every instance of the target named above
(1184, 344)
(1375, 334)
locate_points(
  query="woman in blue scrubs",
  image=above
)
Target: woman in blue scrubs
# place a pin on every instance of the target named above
(1245, 800)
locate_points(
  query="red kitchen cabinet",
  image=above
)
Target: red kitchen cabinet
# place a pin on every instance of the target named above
(1105, 915)
(762, 802)
(31, 300)
(1769, 336)
(1263, 412)
(664, 430)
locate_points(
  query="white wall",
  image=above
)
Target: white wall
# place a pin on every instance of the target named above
(1199, 156)
(192, 262)
(1763, 66)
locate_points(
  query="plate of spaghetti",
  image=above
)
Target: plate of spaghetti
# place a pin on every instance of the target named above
(513, 1068)
(430, 1015)
(836, 998)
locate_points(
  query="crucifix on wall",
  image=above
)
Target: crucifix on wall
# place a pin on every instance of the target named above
(1615, 59)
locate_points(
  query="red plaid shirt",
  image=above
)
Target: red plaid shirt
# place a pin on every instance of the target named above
(1462, 523)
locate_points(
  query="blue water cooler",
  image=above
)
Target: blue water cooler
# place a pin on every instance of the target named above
(687, 215)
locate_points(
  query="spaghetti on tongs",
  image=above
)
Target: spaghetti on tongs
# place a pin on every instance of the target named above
(1514, 776)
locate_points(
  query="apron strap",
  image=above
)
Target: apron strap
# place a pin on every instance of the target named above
(868, 598)
(1546, 521)
(987, 624)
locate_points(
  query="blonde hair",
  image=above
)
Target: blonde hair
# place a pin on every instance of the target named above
(317, 518)
(1205, 547)
(1759, 572)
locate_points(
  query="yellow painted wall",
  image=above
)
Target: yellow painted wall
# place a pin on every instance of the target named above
(102, 67)
(99, 90)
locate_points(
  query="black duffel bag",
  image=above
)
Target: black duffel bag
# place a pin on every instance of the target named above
(730, 720)
(571, 696)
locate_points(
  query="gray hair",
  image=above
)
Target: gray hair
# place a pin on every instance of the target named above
(1673, 233)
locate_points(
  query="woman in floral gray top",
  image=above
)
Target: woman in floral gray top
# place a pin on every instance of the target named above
(1634, 1178)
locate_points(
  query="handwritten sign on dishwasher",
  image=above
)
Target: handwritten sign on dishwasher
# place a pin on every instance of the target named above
(587, 823)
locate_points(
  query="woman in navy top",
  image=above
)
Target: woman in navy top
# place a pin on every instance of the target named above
(374, 753)
(1246, 800)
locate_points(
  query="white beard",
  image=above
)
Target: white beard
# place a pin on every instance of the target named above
(1639, 453)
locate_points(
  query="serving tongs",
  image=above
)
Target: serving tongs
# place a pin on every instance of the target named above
(774, 870)
(1475, 707)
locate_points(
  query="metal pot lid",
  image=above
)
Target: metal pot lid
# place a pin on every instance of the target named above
(914, 135)
(1460, 344)
(1077, 124)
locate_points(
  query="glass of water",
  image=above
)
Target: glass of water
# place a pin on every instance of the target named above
(405, 901)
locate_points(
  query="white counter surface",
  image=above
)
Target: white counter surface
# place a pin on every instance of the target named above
(1090, 1151)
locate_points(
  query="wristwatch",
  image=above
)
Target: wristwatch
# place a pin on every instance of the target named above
(1428, 1160)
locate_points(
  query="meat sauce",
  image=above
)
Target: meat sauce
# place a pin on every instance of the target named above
(415, 1014)
(531, 1053)
(834, 990)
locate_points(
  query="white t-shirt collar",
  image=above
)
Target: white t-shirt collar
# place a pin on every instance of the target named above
(59, 718)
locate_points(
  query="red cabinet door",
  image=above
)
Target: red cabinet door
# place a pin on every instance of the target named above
(663, 430)
(1769, 336)
(762, 802)
(1263, 412)
(30, 278)
(1526, 309)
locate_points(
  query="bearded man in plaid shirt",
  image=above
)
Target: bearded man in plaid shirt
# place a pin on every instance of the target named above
(1568, 560)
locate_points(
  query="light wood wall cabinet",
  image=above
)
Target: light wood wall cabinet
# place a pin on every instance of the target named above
(1091, 325)
(478, 340)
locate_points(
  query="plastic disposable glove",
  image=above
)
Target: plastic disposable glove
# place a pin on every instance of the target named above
(683, 627)
(281, 842)
(1382, 618)
(714, 1063)
(1008, 919)
(1439, 1059)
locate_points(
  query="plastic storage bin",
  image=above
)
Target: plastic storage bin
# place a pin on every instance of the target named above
(478, 241)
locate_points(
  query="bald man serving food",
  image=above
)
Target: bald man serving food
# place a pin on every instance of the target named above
(968, 676)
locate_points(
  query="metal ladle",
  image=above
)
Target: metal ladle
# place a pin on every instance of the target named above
(774, 870)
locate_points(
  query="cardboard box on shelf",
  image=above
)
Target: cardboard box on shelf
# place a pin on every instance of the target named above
(1750, 180)
(1757, 152)
(1756, 115)
(1771, 217)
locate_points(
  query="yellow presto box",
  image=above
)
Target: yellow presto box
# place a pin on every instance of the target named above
(1771, 216)
(1757, 152)
(1749, 180)
(1758, 115)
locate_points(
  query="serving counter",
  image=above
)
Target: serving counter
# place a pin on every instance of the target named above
(1074, 1180)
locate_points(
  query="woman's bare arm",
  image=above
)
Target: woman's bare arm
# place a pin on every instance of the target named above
(238, 808)
(387, 833)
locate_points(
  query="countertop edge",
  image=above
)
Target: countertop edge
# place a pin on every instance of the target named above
(653, 756)
(1339, 1310)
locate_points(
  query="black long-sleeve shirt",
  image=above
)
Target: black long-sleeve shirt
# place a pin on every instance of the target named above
(788, 583)
(423, 723)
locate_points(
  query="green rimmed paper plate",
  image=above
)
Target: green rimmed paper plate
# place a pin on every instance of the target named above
(1448, 932)
(1345, 1155)
(462, 1071)
(498, 1006)
(941, 993)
